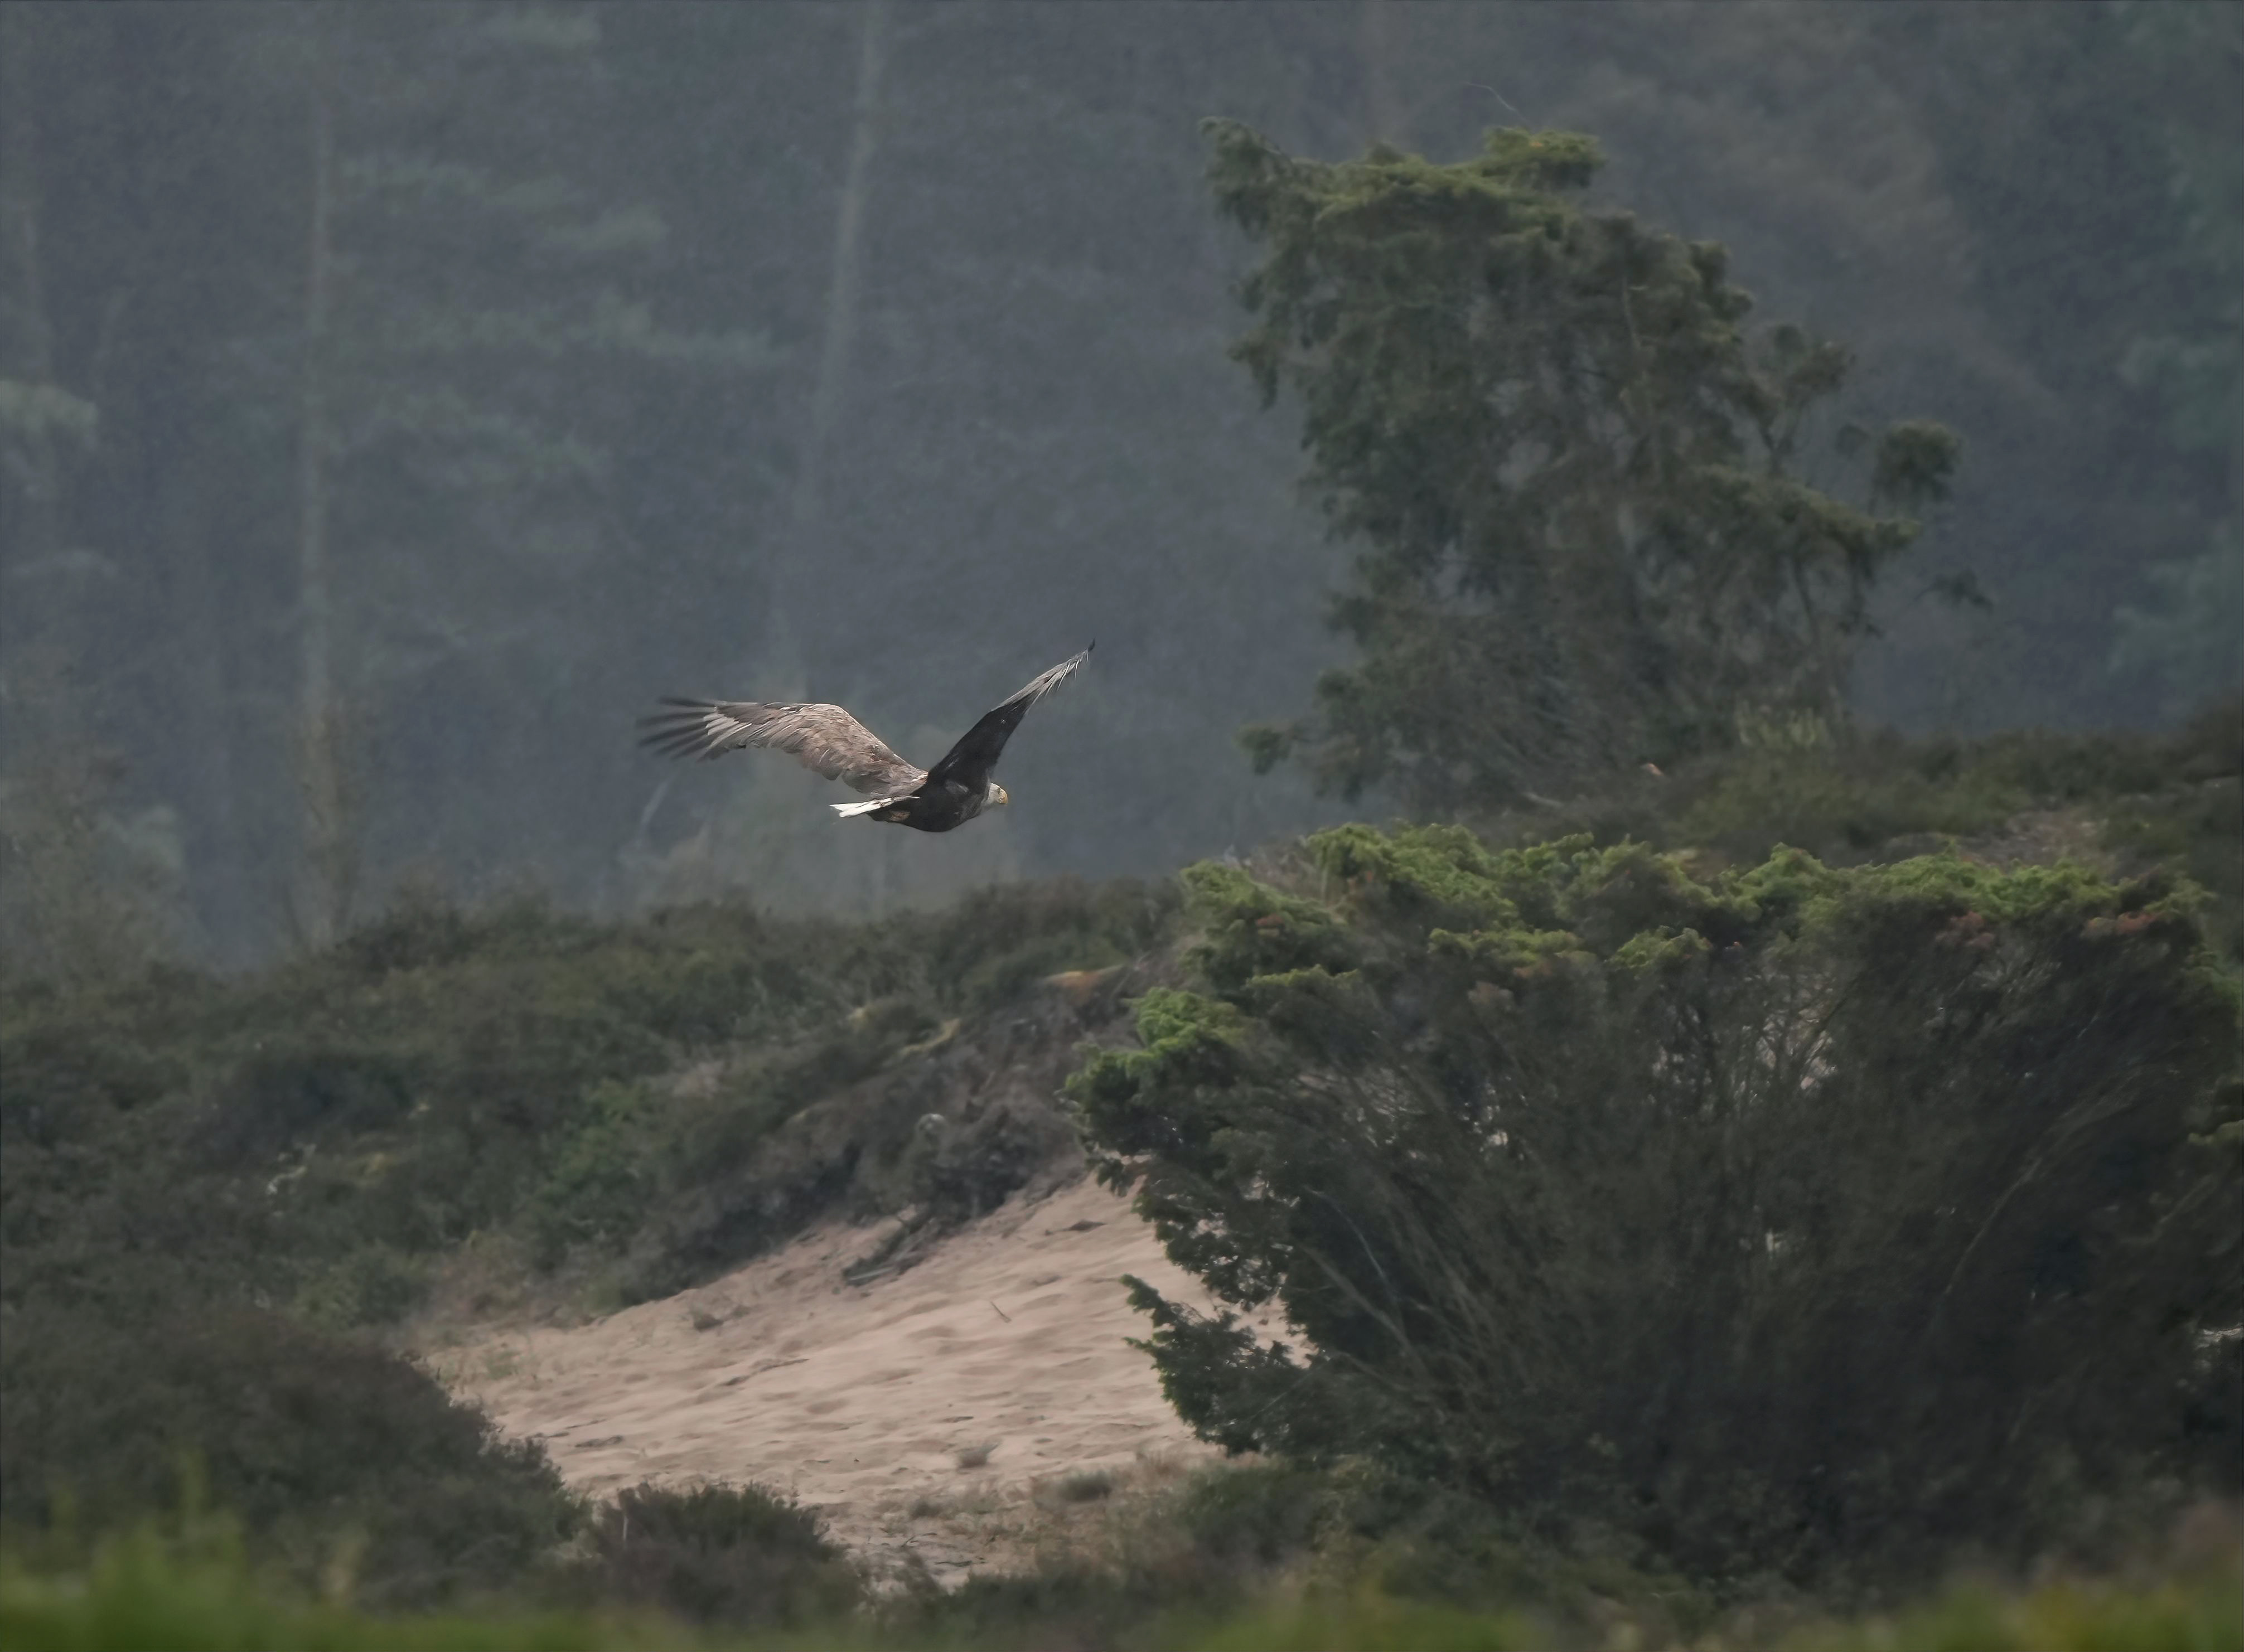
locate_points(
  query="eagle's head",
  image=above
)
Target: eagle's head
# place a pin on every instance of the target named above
(996, 794)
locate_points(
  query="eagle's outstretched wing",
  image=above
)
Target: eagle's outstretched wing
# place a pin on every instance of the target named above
(824, 737)
(976, 754)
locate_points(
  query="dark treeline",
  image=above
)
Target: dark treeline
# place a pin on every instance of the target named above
(396, 399)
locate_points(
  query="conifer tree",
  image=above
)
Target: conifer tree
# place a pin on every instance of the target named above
(1793, 1219)
(1589, 536)
(2191, 634)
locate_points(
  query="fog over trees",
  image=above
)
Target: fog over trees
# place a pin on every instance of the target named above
(395, 400)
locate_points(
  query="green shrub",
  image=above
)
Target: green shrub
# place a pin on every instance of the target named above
(601, 1179)
(1257, 1516)
(314, 1442)
(1761, 798)
(375, 1284)
(2168, 799)
(1800, 1218)
(956, 1172)
(313, 1133)
(739, 1555)
(997, 940)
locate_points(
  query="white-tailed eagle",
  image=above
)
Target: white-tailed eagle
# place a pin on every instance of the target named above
(837, 746)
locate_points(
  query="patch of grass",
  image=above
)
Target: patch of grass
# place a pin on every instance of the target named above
(2196, 1606)
(1258, 1516)
(1074, 1605)
(191, 1584)
(1370, 1622)
(195, 1590)
(137, 1597)
(1087, 1486)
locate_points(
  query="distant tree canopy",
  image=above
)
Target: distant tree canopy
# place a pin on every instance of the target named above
(1589, 534)
(2189, 634)
(384, 394)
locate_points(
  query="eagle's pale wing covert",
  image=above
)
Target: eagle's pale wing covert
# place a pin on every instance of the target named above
(822, 738)
(976, 754)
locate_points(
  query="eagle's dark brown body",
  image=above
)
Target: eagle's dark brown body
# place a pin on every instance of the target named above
(827, 739)
(936, 806)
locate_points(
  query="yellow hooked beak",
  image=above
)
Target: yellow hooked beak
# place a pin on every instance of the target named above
(997, 794)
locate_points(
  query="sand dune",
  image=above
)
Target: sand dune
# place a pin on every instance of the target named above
(914, 1409)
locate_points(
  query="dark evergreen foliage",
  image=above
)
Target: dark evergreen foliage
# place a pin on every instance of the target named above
(328, 1451)
(1574, 476)
(317, 1134)
(1795, 1220)
(2131, 802)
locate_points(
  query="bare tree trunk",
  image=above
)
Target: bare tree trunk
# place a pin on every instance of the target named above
(44, 633)
(794, 571)
(799, 567)
(327, 856)
(1383, 116)
(57, 916)
(149, 479)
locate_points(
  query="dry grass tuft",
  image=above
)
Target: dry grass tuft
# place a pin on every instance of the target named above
(1088, 1486)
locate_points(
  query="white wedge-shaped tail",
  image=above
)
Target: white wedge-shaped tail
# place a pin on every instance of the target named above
(847, 809)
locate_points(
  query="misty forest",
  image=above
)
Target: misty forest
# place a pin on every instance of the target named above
(1609, 1014)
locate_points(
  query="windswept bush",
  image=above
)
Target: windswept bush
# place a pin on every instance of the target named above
(1794, 1218)
(323, 1448)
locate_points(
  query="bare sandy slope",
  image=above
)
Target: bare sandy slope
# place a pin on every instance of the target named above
(871, 1402)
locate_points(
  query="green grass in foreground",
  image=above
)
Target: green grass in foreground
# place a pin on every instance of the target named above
(2196, 1616)
(148, 1592)
(144, 1592)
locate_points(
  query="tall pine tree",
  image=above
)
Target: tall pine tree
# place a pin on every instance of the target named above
(1581, 488)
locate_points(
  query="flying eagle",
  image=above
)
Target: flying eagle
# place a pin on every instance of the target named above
(829, 739)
